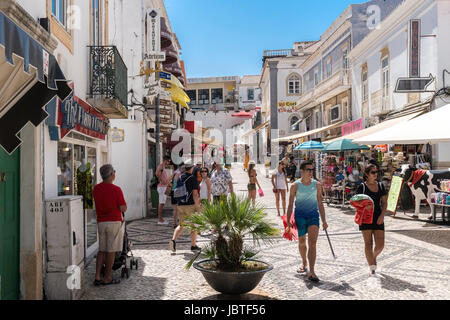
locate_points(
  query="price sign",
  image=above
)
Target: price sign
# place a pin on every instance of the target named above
(394, 194)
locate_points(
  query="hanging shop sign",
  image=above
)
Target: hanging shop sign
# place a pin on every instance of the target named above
(77, 115)
(153, 22)
(287, 106)
(414, 52)
(352, 127)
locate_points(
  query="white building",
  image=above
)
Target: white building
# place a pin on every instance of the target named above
(390, 53)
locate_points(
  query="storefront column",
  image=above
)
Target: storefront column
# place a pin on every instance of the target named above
(31, 258)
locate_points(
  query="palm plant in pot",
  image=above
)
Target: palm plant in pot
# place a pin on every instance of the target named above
(230, 267)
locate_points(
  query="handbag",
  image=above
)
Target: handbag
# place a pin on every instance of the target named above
(275, 190)
(261, 193)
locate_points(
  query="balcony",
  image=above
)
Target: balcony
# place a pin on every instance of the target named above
(174, 69)
(166, 36)
(171, 55)
(331, 87)
(108, 83)
(380, 105)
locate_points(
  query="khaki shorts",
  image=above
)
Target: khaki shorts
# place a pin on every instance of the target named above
(110, 236)
(184, 212)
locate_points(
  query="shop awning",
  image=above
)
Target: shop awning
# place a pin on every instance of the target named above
(29, 78)
(381, 126)
(432, 127)
(305, 134)
(253, 131)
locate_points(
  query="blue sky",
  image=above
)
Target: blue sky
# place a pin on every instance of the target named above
(228, 37)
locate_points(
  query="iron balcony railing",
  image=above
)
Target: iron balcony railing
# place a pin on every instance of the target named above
(108, 74)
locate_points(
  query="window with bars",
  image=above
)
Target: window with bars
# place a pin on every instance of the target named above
(294, 85)
(203, 96)
(217, 96)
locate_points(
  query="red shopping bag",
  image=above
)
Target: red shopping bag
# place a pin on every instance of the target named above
(292, 235)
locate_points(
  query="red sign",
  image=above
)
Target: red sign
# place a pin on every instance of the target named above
(351, 127)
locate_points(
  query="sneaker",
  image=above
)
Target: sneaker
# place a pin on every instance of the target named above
(173, 246)
(164, 223)
(195, 248)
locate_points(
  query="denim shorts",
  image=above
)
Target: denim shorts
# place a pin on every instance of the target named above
(304, 223)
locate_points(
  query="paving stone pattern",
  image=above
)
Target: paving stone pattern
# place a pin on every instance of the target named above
(414, 264)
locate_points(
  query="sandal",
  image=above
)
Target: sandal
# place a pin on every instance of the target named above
(113, 281)
(98, 282)
(302, 269)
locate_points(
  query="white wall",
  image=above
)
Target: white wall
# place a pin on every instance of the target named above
(128, 160)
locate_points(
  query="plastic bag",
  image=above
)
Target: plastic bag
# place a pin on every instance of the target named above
(364, 209)
(292, 235)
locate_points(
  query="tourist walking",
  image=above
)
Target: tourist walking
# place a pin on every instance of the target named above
(252, 182)
(205, 186)
(307, 194)
(163, 183)
(222, 182)
(188, 206)
(280, 186)
(109, 206)
(173, 179)
(373, 232)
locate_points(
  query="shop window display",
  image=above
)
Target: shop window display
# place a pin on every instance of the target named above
(65, 169)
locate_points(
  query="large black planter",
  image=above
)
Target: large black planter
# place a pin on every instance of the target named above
(232, 282)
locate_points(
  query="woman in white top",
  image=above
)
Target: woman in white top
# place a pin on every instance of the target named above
(205, 186)
(280, 186)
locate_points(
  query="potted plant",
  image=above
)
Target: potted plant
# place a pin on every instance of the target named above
(230, 267)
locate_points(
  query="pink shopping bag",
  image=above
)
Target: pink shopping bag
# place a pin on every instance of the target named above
(261, 193)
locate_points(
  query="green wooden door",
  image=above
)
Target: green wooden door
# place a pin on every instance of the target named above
(9, 224)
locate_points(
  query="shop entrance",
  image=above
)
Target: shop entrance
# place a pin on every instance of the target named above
(9, 225)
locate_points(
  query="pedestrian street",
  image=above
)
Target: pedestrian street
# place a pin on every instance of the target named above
(413, 265)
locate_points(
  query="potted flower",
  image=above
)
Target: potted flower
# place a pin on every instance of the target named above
(230, 267)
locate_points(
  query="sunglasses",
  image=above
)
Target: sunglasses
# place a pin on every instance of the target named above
(204, 171)
(373, 172)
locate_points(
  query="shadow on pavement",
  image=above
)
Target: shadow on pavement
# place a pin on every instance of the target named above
(393, 284)
(132, 288)
(437, 237)
(342, 288)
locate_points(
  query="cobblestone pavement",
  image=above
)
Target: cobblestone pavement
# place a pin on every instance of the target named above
(414, 264)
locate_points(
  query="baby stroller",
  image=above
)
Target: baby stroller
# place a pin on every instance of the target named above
(121, 257)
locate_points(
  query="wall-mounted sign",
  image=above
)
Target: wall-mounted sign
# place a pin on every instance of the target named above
(75, 114)
(414, 46)
(287, 106)
(405, 85)
(117, 135)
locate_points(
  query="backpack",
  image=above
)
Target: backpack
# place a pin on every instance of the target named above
(180, 193)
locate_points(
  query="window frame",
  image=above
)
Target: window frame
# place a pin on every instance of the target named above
(385, 74)
(316, 76)
(201, 102)
(339, 107)
(214, 95)
(57, 10)
(328, 67)
(292, 122)
(365, 85)
(193, 101)
(294, 80)
(252, 97)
